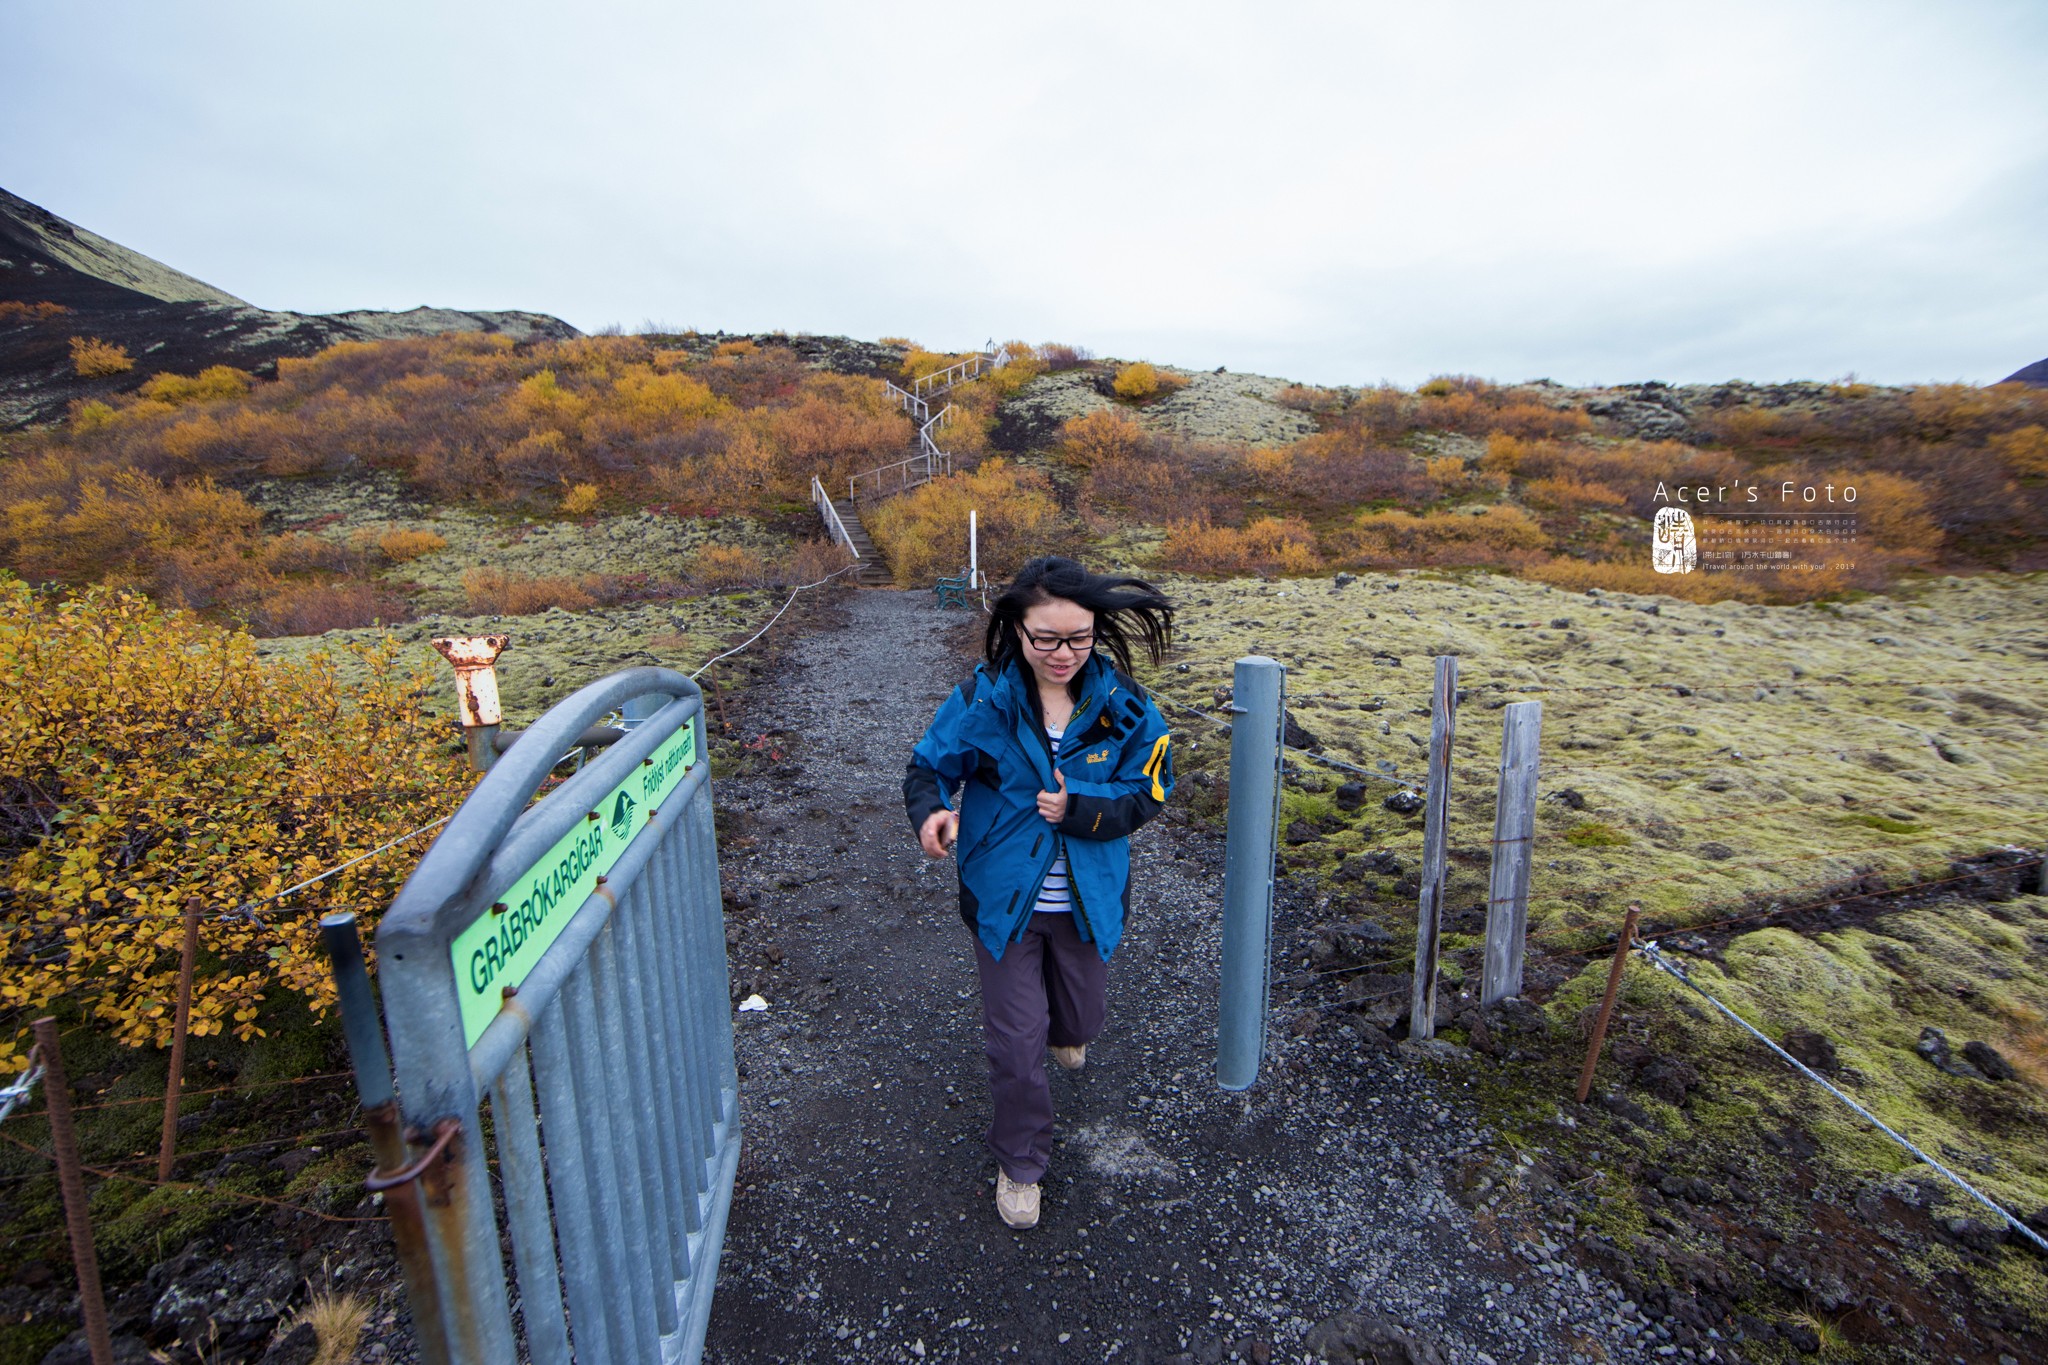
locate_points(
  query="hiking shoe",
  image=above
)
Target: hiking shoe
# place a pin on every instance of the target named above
(1071, 1057)
(1016, 1204)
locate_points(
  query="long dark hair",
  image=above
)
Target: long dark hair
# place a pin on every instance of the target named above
(1123, 607)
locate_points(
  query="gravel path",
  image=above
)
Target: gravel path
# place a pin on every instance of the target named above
(1181, 1222)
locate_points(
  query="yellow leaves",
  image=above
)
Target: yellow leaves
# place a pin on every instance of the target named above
(92, 358)
(182, 765)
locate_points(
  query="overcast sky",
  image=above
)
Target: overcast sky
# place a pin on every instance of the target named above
(1339, 193)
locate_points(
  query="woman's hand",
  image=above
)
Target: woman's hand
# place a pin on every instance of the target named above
(941, 828)
(1053, 805)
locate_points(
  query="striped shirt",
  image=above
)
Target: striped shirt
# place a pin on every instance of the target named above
(1054, 897)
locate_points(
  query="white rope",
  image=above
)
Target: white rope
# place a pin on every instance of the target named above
(1658, 961)
(773, 619)
(14, 1093)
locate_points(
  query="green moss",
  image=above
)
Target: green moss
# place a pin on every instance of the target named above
(1888, 825)
(1595, 834)
(26, 1343)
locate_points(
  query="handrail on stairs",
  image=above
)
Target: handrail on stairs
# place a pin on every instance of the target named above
(833, 524)
(931, 460)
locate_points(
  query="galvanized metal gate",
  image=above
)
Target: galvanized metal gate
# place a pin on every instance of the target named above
(567, 961)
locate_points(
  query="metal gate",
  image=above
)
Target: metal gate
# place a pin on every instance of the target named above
(567, 960)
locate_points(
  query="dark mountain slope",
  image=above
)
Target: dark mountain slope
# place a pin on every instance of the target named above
(163, 318)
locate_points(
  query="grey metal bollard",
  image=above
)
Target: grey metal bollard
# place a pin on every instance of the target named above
(1250, 842)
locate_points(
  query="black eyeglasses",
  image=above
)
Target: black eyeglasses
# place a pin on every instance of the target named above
(1049, 644)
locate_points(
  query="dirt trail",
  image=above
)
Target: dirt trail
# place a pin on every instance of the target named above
(1180, 1221)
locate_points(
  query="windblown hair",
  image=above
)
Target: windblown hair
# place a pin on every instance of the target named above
(1127, 611)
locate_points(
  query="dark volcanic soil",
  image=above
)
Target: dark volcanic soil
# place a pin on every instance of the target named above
(1180, 1220)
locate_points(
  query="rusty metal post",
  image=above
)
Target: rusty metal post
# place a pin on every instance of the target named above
(92, 1305)
(168, 1149)
(1628, 938)
(475, 659)
(372, 1065)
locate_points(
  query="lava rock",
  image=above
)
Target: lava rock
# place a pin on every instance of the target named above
(1988, 1060)
(1668, 1078)
(74, 1350)
(1933, 1045)
(1357, 1338)
(1403, 802)
(299, 1346)
(1298, 736)
(1811, 1048)
(1350, 796)
(1572, 799)
(1302, 832)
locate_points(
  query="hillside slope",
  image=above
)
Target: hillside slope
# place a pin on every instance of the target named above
(164, 318)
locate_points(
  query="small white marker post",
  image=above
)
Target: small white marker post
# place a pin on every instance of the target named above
(973, 552)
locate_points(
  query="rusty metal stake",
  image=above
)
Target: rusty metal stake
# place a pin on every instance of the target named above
(169, 1148)
(92, 1305)
(1628, 938)
(476, 690)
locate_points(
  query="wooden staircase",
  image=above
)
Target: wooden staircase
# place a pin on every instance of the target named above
(874, 570)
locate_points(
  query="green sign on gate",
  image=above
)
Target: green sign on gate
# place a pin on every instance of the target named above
(504, 943)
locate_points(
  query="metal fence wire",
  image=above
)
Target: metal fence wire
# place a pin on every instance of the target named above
(567, 962)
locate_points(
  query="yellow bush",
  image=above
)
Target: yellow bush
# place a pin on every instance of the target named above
(1493, 535)
(1141, 380)
(95, 359)
(2024, 451)
(401, 546)
(1570, 494)
(924, 532)
(1101, 436)
(156, 758)
(1447, 472)
(1577, 575)
(1269, 545)
(213, 382)
(496, 592)
(581, 500)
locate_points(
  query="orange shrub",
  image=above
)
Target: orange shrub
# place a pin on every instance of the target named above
(581, 500)
(1499, 535)
(1270, 545)
(1568, 493)
(1102, 435)
(1057, 355)
(729, 566)
(95, 359)
(14, 310)
(496, 592)
(924, 532)
(1337, 468)
(1141, 381)
(1577, 575)
(316, 608)
(2024, 451)
(1447, 472)
(402, 546)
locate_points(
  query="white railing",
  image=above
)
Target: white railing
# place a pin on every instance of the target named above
(908, 401)
(833, 525)
(930, 461)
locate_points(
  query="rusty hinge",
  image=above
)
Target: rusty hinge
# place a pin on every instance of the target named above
(444, 1133)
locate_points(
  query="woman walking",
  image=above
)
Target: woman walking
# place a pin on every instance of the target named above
(1058, 755)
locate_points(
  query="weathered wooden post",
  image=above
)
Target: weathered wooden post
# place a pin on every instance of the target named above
(167, 1149)
(1443, 709)
(1514, 836)
(1614, 970)
(92, 1304)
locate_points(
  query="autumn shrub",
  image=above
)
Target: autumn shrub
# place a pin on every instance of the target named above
(489, 591)
(298, 552)
(815, 558)
(1100, 436)
(316, 608)
(210, 384)
(1568, 493)
(152, 758)
(1141, 381)
(1309, 398)
(1267, 546)
(1536, 420)
(92, 358)
(1447, 472)
(1338, 469)
(1495, 535)
(17, 311)
(729, 566)
(2024, 450)
(581, 500)
(924, 532)
(401, 546)
(1578, 575)
(1058, 356)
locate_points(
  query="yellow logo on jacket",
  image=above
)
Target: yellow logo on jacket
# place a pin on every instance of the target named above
(1102, 757)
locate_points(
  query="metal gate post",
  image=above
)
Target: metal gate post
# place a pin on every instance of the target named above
(1250, 843)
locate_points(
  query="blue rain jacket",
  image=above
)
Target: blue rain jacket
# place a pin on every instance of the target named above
(989, 741)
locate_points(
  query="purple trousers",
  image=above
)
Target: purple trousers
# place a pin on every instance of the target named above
(1047, 990)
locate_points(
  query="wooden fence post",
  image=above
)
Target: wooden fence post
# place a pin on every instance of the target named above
(1443, 709)
(92, 1304)
(1514, 836)
(168, 1148)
